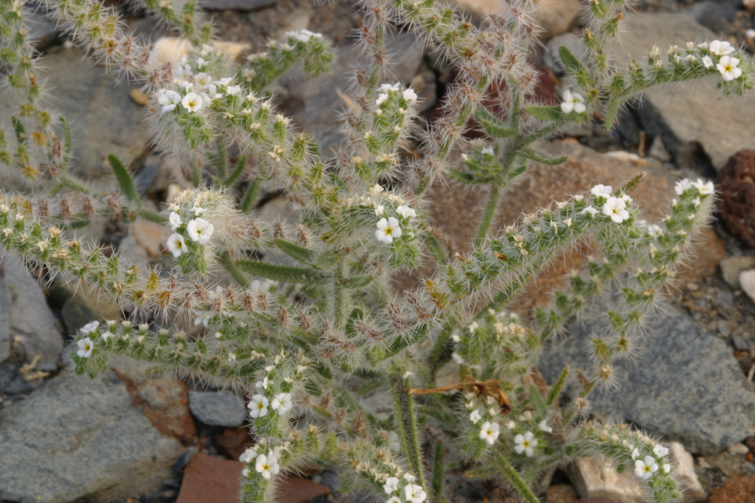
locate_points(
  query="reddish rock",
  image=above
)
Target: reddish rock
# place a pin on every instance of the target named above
(234, 441)
(735, 490)
(164, 401)
(214, 480)
(736, 187)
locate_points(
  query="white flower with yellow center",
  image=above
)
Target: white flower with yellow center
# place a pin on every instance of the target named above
(90, 327)
(258, 406)
(489, 432)
(192, 102)
(414, 493)
(728, 68)
(391, 485)
(387, 230)
(85, 347)
(705, 189)
(645, 469)
(525, 443)
(475, 416)
(616, 209)
(168, 100)
(282, 403)
(406, 212)
(203, 80)
(267, 466)
(720, 48)
(176, 245)
(410, 95)
(200, 230)
(573, 102)
(602, 191)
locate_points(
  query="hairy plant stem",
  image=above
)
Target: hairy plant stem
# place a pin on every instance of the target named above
(411, 419)
(250, 198)
(401, 426)
(513, 478)
(226, 261)
(491, 208)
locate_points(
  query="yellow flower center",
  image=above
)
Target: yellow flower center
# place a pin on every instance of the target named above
(526, 443)
(388, 231)
(260, 406)
(647, 469)
(727, 68)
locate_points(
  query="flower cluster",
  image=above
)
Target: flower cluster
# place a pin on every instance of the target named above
(404, 490)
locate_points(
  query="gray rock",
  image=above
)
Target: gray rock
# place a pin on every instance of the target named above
(731, 267)
(41, 31)
(551, 58)
(685, 385)
(316, 104)
(25, 315)
(77, 439)
(740, 343)
(695, 112)
(716, 16)
(217, 408)
(103, 117)
(244, 5)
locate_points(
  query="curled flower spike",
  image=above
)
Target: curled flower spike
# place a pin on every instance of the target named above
(645, 469)
(573, 102)
(387, 230)
(728, 68)
(525, 443)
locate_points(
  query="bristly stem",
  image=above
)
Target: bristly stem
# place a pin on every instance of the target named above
(226, 261)
(513, 478)
(491, 208)
(400, 425)
(411, 419)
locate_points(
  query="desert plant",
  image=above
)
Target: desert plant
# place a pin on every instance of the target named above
(287, 336)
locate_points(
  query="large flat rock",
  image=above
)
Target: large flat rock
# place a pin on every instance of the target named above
(75, 439)
(694, 111)
(685, 385)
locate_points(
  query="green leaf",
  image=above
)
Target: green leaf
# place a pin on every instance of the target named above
(496, 131)
(358, 281)
(542, 158)
(569, 60)
(124, 179)
(312, 388)
(18, 127)
(326, 260)
(285, 273)
(464, 177)
(240, 166)
(296, 252)
(546, 113)
(538, 402)
(323, 370)
(613, 109)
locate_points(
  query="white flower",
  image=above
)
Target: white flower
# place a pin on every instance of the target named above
(379, 210)
(488, 151)
(489, 432)
(198, 211)
(393, 442)
(654, 231)
(707, 62)
(457, 358)
(175, 220)
(728, 68)
(282, 403)
(233, 90)
(200, 230)
(248, 456)
(212, 92)
(475, 416)
(394, 499)
(543, 426)
(387, 229)
(573, 102)
(176, 245)
(682, 185)
(590, 211)
(414, 493)
(169, 100)
(107, 335)
(511, 425)
(267, 465)
(390, 87)
(90, 327)
(262, 385)
(381, 98)
(391, 485)
(602, 191)
(635, 453)
(192, 102)
(202, 79)
(85, 347)
(406, 212)
(666, 467)
(258, 406)
(616, 209)
(705, 189)
(660, 451)
(720, 48)
(645, 469)
(525, 443)
(258, 287)
(472, 327)
(410, 95)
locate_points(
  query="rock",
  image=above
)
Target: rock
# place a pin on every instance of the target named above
(735, 185)
(103, 117)
(721, 127)
(669, 390)
(244, 5)
(554, 16)
(658, 149)
(740, 344)
(27, 316)
(729, 464)
(723, 328)
(217, 408)
(317, 104)
(85, 306)
(151, 236)
(738, 449)
(41, 31)
(731, 267)
(234, 441)
(78, 439)
(561, 493)
(735, 490)
(747, 282)
(596, 477)
(214, 480)
(551, 57)
(714, 15)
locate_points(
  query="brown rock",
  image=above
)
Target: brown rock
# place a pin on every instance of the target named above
(164, 401)
(455, 210)
(554, 16)
(736, 187)
(561, 493)
(234, 441)
(735, 490)
(214, 480)
(150, 236)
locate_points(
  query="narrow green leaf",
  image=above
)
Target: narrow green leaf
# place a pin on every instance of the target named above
(438, 472)
(247, 204)
(128, 187)
(546, 113)
(285, 273)
(240, 166)
(323, 370)
(569, 60)
(538, 402)
(542, 158)
(358, 281)
(558, 386)
(613, 109)
(296, 252)
(326, 260)
(18, 127)
(496, 131)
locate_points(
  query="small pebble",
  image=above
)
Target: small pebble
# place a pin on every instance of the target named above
(139, 97)
(723, 328)
(738, 449)
(747, 282)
